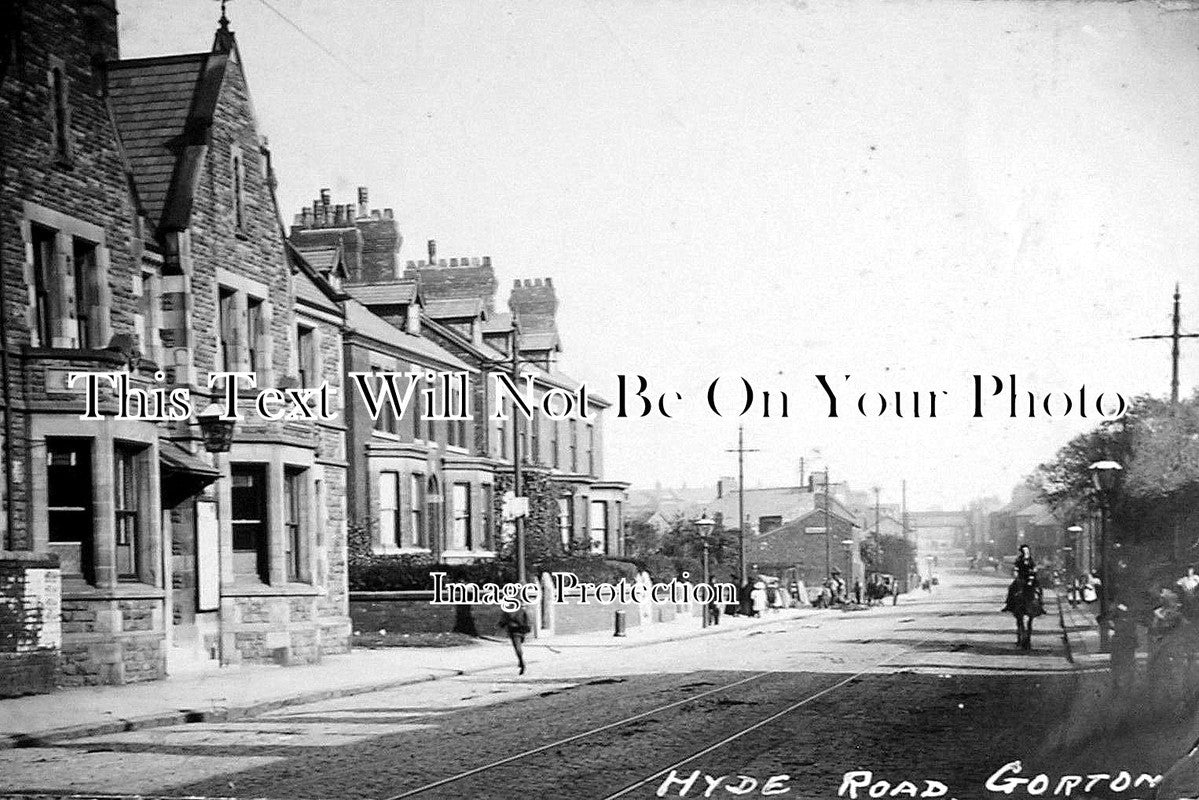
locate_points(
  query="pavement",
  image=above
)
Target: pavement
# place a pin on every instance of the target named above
(1080, 631)
(933, 688)
(233, 693)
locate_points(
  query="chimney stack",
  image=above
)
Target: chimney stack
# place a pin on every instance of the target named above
(363, 209)
(325, 198)
(432, 251)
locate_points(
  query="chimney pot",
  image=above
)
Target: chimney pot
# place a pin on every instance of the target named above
(453, 262)
(325, 197)
(516, 283)
(376, 214)
(549, 281)
(487, 261)
(388, 214)
(432, 250)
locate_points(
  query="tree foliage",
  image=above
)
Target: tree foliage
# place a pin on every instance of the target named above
(1156, 443)
(893, 555)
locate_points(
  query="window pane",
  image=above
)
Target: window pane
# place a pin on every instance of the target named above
(85, 292)
(128, 481)
(69, 502)
(293, 523)
(389, 490)
(461, 533)
(416, 510)
(255, 322)
(228, 330)
(598, 523)
(248, 494)
(44, 257)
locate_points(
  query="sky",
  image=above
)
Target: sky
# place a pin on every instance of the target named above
(908, 192)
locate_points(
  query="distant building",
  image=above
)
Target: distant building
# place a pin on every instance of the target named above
(939, 535)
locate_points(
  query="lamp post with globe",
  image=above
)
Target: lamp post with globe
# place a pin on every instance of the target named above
(1105, 477)
(703, 527)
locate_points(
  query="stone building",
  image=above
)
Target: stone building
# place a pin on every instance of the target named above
(142, 237)
(426, 486)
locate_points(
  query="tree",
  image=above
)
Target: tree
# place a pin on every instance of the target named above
(893, 555)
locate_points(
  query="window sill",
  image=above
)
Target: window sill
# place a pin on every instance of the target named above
(391, 437)
(402, 551)
(74, 588)
(251, 588)
(459, 554)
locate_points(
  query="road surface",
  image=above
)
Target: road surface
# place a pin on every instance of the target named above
(930, 690)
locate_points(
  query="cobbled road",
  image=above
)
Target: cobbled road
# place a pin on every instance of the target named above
(932, 689)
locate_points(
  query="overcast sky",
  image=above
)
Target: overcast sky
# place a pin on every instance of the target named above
(909, 192)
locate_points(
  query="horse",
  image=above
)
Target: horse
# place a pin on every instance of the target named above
(1024, 602)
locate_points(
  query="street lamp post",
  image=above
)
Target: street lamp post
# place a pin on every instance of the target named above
(1105, 475)
(1075, 532)
(848, 545)
(704, 526)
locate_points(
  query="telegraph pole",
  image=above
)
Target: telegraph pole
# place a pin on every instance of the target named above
(904, 516)
(517, 477)
(1174, 336)
(876, 512)
(828, 534)
(741, 451)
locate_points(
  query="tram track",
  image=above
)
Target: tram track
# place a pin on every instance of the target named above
(642, 782)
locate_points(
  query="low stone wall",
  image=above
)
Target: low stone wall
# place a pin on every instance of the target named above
(282, 629)
(30, 631)
(411, 612)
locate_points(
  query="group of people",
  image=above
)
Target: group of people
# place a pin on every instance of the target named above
(1084, 589)
(765, 595)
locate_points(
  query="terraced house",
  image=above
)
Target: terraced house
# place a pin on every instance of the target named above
(430, 486)
(141, 235)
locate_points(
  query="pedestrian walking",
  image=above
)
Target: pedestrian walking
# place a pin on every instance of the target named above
(857, 592)
(518, 627)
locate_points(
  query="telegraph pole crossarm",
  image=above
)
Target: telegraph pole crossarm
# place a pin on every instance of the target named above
(1175, 336)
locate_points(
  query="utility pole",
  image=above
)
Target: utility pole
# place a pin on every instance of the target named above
(876, 512)
(517, 477)
(1174, 336)
(741, 451)
(904, 516)
(828, 534)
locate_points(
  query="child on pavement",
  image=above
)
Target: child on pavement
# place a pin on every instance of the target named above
(517, 624)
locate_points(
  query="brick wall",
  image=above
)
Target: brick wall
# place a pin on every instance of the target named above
(28, 638)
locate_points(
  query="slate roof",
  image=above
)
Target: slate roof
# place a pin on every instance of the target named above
(456, 308)
(160, 106)
(499, 322)
(322, 259)
(360, 319)
(306, 291)
(789, 502)
(377, 294)
(541, 340)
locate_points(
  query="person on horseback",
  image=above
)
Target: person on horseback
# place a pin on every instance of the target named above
(1024, 599)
